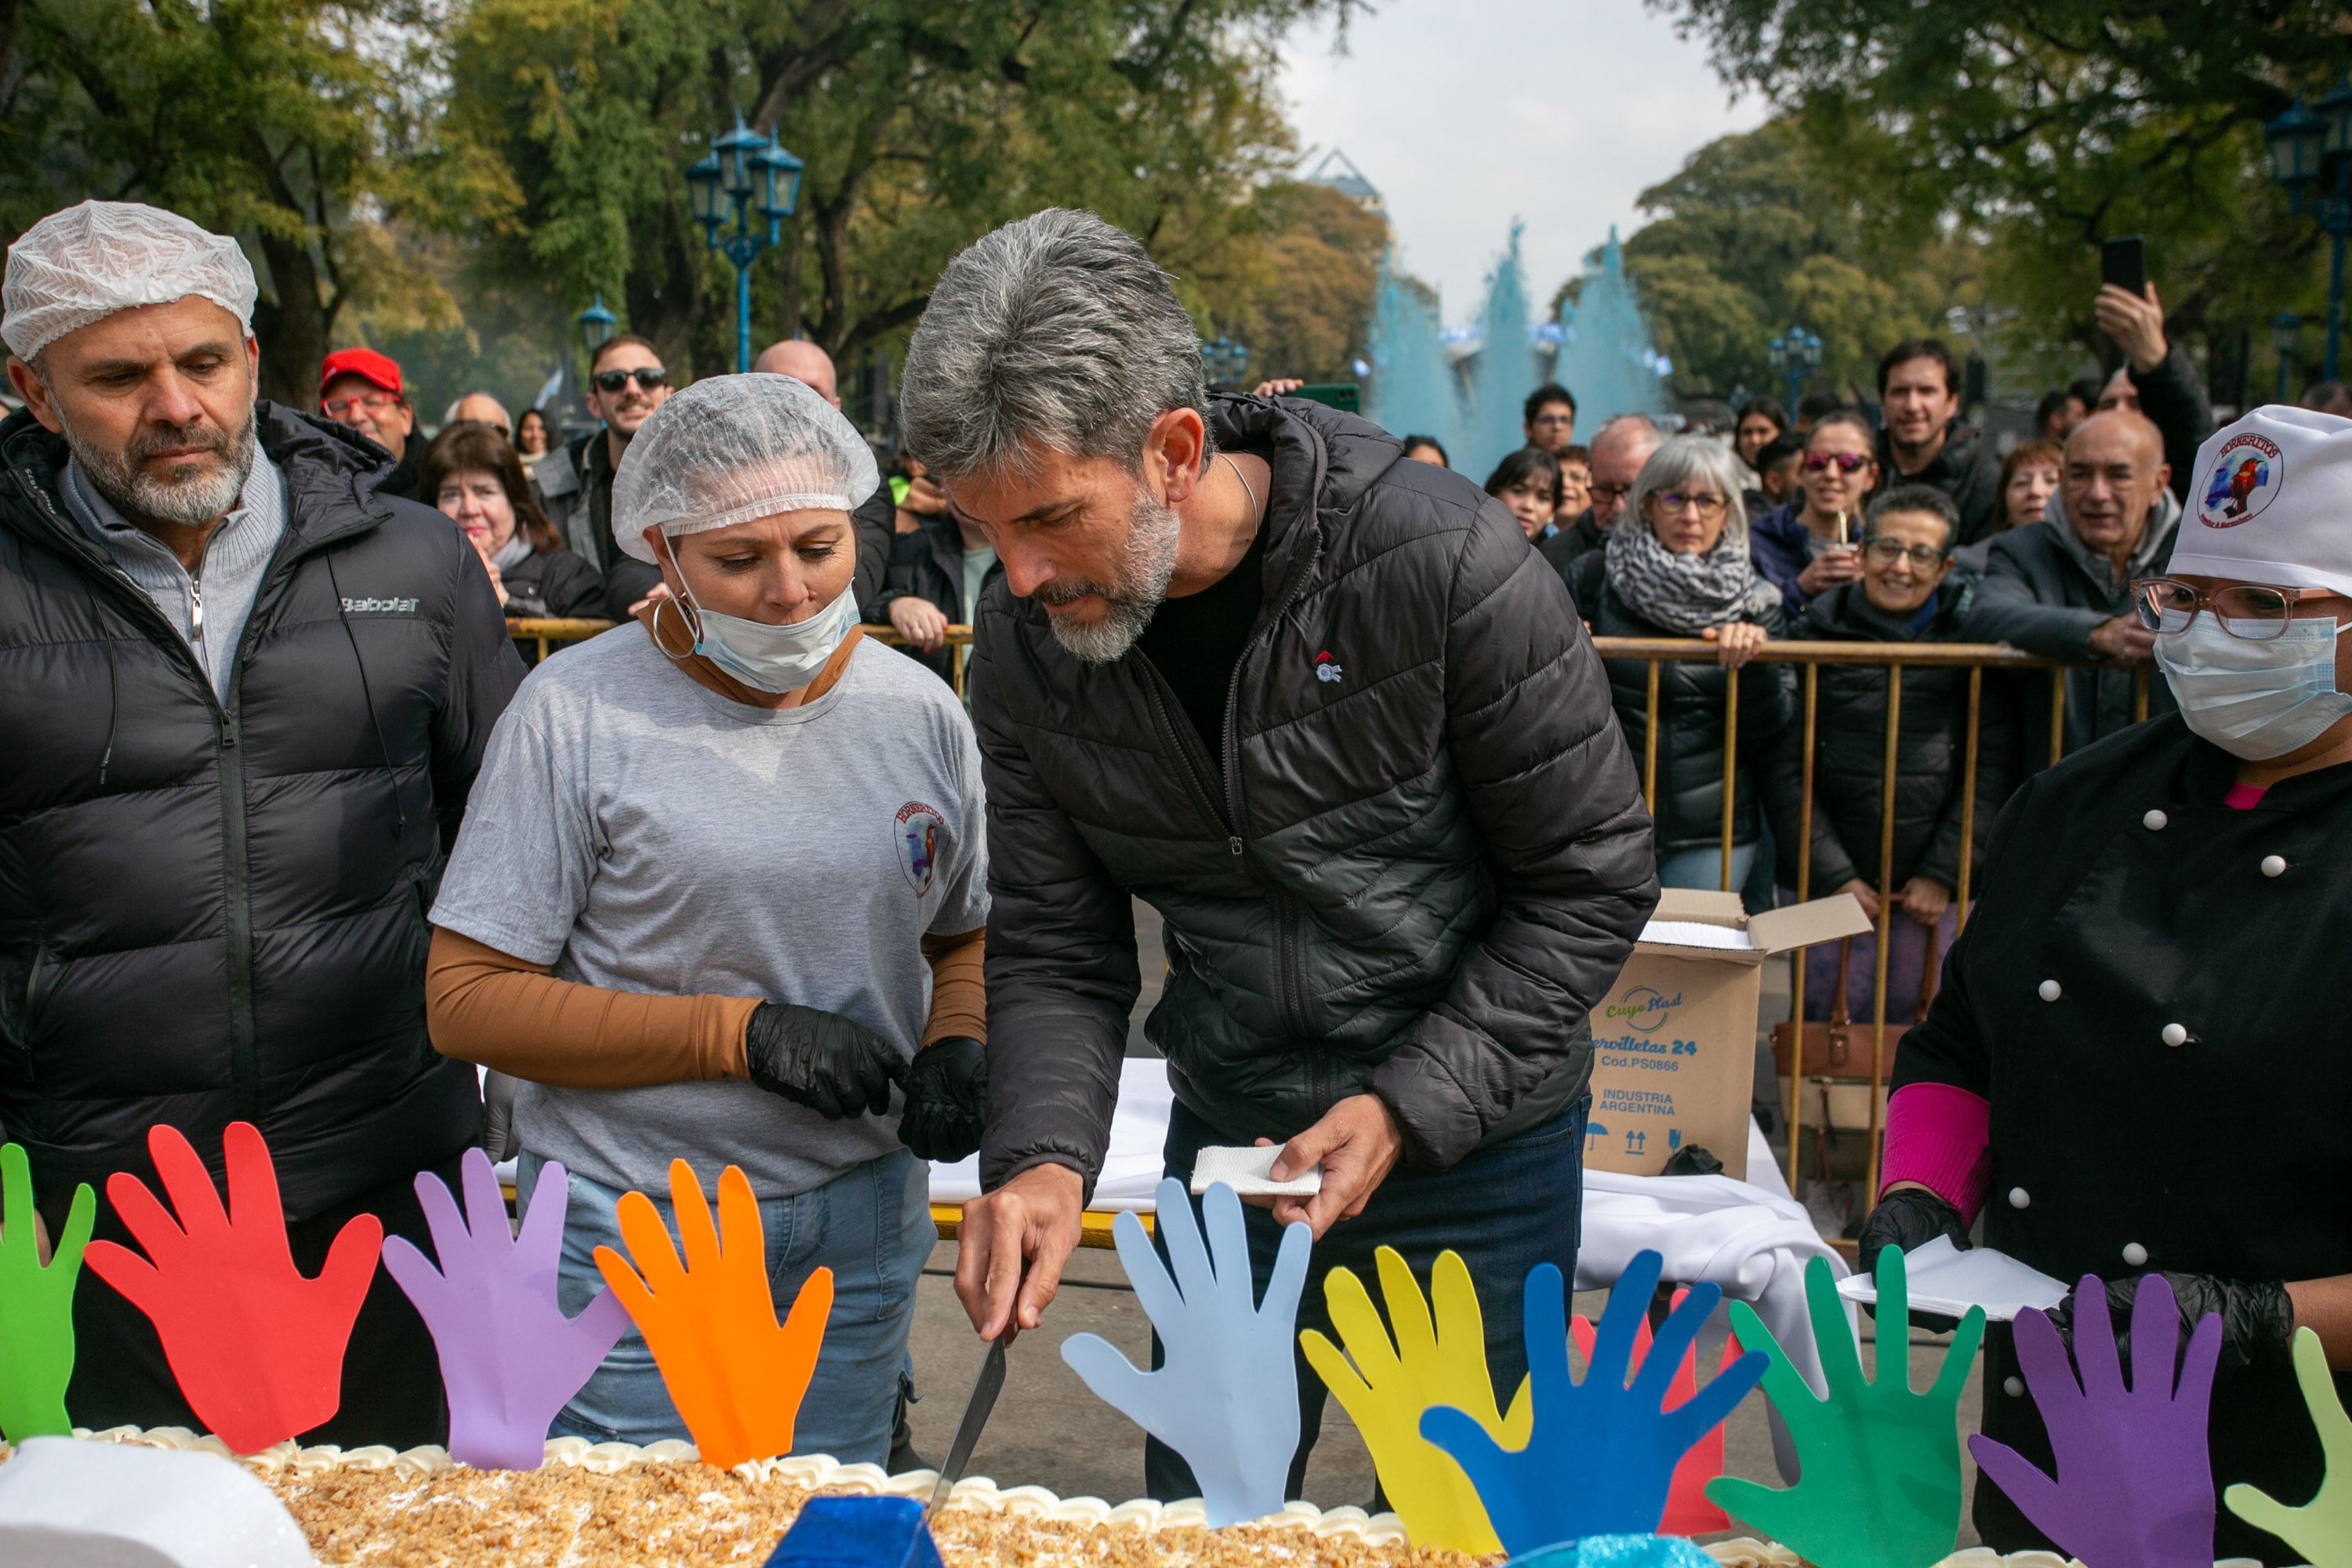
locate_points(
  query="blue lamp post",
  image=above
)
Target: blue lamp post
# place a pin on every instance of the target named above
(1223, 361)
(1795, 354)
(742, 194)
(597, 325)
(2311, 155)
(2286, 331)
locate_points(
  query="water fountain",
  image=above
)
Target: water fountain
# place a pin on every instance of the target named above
(1605, 357)
(1504, 371)
(1412, 385)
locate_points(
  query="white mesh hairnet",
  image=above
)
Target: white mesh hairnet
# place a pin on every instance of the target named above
(733, 447)
(89, 261)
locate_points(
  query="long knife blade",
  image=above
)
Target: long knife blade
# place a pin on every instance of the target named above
(984, 1390)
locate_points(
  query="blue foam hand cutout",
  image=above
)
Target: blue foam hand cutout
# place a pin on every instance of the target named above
(1226, 1398)
(857, 1532)
(1603, 1455)
(1619, 1552)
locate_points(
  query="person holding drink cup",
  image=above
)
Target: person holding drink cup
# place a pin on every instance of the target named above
(1814, 543)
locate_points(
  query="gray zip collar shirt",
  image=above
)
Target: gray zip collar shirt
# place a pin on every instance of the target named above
(209, 605)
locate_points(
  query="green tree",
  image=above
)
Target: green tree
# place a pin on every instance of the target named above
(2046, 126)
(922, 123)
(1297, 289)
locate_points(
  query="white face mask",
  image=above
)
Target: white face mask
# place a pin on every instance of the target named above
(771, 658)
(2255, 699)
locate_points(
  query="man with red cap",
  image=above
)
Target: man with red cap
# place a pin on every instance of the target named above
(361, 388)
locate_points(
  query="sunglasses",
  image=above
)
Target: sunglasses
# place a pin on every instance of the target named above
(1847, 462)
(648, 377)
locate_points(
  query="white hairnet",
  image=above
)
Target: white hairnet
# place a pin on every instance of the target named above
(83, 264)
(730, 449)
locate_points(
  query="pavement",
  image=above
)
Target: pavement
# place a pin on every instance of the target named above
(1048, 1430)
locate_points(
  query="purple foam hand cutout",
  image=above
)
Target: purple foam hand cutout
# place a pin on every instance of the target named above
(2134, 1482)
(509, 1358)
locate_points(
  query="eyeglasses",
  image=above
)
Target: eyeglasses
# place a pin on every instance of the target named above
(648, 377)
(342, 407)
(1847, 462)
(1609, 492)
(1672, 501)
(1888, 551)
(2247, 611)
(1549, 419)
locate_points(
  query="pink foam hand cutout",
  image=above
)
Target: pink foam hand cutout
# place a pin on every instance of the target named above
(1687, 1510)
(257, 1347)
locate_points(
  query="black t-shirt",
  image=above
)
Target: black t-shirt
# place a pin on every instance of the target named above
(1195, 641)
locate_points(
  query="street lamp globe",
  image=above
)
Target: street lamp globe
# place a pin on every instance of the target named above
(780, 183)
(597, 325)
(2333, 111)
(703, 196)
(736, 150)
(2298, 139)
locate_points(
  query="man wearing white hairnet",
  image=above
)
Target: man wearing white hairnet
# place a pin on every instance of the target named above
(721, 900)
(243, 698)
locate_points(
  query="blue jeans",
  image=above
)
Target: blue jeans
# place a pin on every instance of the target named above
(871, 1226)
(1704, 868)
(1504, 1209)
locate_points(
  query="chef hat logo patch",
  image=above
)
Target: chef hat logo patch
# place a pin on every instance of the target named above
(2247, 473)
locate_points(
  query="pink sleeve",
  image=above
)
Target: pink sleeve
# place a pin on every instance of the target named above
(1939, 1137)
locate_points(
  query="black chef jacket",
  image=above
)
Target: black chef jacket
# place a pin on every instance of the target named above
(2121, 898)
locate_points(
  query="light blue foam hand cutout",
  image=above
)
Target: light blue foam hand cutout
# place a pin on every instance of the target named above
(1602, 1454)
(1226, 1397)
(1618, 1552)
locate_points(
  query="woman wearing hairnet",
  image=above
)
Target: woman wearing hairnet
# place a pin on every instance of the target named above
(719, 897)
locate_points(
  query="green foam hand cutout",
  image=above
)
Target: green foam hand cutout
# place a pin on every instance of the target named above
(2321, 1530)
(36, 1333)
(1880, 1466)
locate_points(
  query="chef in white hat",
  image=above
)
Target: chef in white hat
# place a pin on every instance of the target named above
(2136, 1061)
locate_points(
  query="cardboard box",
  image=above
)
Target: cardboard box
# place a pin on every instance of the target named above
(1674, 1058)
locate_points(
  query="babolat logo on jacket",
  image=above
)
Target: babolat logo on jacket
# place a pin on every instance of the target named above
(365, 607)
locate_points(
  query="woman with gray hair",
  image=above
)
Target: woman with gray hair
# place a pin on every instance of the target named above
(1676, 566)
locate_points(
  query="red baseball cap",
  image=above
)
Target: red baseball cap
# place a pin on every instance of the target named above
(366, 363)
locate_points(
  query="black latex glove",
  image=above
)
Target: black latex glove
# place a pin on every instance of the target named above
(498, 1140)
(2257, 1318)
(1908, 1218)
(822, 1060)
(946, 1099)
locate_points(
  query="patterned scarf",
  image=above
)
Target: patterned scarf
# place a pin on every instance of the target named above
(1687, 594)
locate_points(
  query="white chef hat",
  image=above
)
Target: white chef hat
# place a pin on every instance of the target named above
(83, 264)
(730, 449)
(2272, 502)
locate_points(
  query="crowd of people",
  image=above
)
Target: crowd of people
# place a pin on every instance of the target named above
(296, 840)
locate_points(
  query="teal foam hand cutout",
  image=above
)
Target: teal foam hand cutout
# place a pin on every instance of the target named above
(37, 1332)
(1226, 1397)
(1880, 1465)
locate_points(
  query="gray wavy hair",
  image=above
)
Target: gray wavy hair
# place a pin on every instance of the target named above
(1682, 458)
(1057, 333)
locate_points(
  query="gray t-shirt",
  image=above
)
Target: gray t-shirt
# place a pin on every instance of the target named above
(641, 833)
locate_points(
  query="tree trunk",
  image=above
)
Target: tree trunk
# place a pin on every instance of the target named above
(292, 326)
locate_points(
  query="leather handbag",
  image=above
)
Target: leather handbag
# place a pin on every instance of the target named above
(1839, 1047)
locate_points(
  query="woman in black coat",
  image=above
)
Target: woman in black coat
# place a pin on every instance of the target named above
(1676, 566)
(474, 479)
(1908, 593)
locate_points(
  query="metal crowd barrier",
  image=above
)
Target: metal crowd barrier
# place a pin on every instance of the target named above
(1893, 658)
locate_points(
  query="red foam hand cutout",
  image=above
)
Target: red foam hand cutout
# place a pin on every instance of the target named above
(1687, 1510)
(259, 1348)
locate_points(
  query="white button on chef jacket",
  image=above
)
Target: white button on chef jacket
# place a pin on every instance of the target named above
(2135, 1254)
(2050, 991)
(2154, 821)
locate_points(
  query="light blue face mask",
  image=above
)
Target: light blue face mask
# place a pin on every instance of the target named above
(2255, 699)
(767, 657)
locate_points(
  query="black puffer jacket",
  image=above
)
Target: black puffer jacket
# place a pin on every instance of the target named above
(1415, 878)
(553, 581)
(211, 912)
(1849, 748)
(1689, 796)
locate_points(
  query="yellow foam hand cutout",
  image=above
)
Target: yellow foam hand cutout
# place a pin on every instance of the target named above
(1431, 1362)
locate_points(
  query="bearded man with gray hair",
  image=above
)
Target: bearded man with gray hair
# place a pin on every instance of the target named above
(242, 696)
(1324, 710)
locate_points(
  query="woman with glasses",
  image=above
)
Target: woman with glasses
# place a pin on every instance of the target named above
(1909, 591)
(1676, 566)
(2136, 1062)
(1811, 544)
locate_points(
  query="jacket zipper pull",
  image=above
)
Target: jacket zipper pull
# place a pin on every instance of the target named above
(1235, 845)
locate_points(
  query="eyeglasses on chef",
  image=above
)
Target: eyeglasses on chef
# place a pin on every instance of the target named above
(648, 377)
(2249, 611)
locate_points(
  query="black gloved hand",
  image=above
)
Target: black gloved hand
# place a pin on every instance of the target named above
(498, 1140)
(946, 1099)
(2257, 1317)
(1908, 1218)
(822, 1060)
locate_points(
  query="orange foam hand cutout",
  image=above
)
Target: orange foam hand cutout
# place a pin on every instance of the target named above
(736, 1378)
(1687, 1510)
(258, 1348)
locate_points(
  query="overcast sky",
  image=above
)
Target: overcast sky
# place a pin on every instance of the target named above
(1465, 113)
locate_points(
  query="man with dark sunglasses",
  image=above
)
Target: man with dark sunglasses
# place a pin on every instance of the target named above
(574, 484)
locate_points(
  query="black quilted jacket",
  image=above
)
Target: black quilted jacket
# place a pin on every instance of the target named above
(1414, 879)
(213, 910)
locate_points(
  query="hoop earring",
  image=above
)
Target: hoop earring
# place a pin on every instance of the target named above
(694, 632)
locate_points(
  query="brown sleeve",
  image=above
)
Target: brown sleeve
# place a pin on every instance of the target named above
(487, 1007)
(959, 999)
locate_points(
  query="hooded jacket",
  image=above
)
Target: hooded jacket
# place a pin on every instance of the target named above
(2044, 592)
(1421, 862)
(213, 910)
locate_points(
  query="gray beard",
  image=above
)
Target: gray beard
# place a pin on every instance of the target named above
(1153, 530)
(186, 503)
